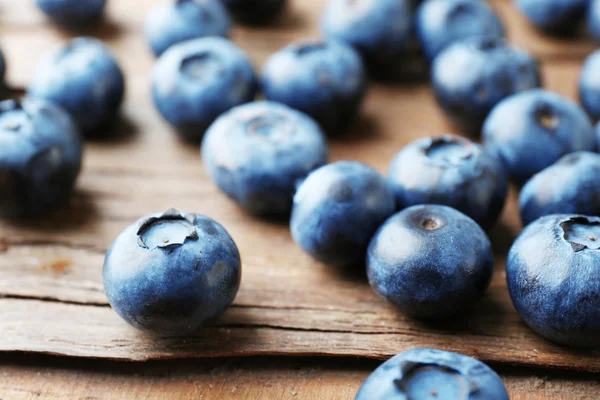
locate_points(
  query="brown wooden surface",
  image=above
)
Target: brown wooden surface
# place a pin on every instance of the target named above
(52, 298)
(261, 378)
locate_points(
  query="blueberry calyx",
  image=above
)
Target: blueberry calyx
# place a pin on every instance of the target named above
(199, 65)
(428, 221)
(546, 117)
(581, 233)
(13, 124)
(460, 10)
(271, 126)
(449, 150)
(410, 369)
(167, 231)
(309, 47)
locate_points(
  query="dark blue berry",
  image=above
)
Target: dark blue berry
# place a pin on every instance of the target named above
(532, 130)
(378, 30)
(452, 171)
(570, 186)
(427, 374)
(83, 78)
(40, 157)
(325, 80)
(172, 273)
(258, 152)
(196, 81)
(589, 85)
(337, 209)
(554, 16)
(430, 261)
(552, 274)
(73, 12)
(177, 21)
(472, 76)
(440, 23)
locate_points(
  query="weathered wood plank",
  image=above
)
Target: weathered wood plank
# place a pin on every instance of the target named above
(97, 332)
(257, 378)
(287, 304)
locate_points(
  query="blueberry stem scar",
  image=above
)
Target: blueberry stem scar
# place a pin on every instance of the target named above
(165, 222)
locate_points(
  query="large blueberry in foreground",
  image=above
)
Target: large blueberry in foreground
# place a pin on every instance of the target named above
(430, 261)
(589, 85)
(440, 23)
(255, 12)
(532, 130)
(40, 157)
(337, 209)
(172, 273)
(196, 81)
(554, 16)
(177, 21)
(84, 79)
(570, 186)
(378, 30)
(325, 80)
(258, 152)
(453, 171)
(470, 77)
(552, 274)
(427, 374)
(72, 12)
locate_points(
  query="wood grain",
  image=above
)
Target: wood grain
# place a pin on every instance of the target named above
(288, 304)
(262, 378)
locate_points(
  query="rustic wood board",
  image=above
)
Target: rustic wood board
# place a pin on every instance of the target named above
(52, 297)
(242, 378)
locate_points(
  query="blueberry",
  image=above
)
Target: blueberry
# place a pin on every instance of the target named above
(570, 186)
(178, 21)
(593, 18)
(532, 130)
(172, 273)
(554, 16)
(589, 85)
(257, 152)
(452, 171)
(337, 209)
(325, 80)
(73, 12)
(83, 78)
(378, 29)
(196, 81)
(552, 273)
(430, 261)
(472, 76)
(439, 23)
(256, 12)
(432, 374)
(40, 157)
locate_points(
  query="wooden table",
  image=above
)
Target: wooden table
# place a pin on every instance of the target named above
(51, 298)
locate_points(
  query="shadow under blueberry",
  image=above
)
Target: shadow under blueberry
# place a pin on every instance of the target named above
(78, 210)
(363, 127)
(410, 71)
(103, 29)
(120, 130)
(352, 273)
(468, 321)
(12, 92)
(290, 19)
(502, 238)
